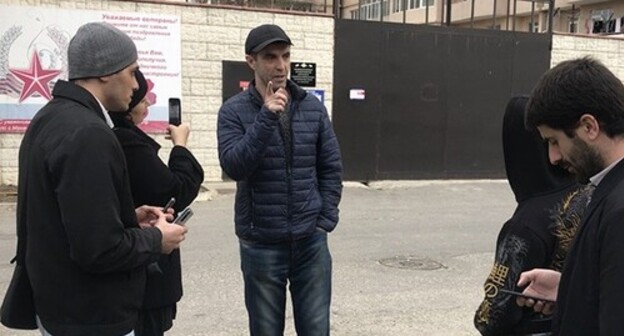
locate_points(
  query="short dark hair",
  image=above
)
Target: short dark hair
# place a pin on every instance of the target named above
(577, 87)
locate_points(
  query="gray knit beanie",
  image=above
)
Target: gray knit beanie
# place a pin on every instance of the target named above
(99, 49)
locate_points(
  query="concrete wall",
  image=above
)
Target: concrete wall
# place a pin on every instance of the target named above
(608, 50)
(209, 35)
(212, 34)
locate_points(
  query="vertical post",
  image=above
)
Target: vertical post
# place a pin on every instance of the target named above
(515, 11)
(448, 12)
(426, 11)
(574, 19)
(532, 16)
(472, 3)
(551, 14)
(507, 19)
(359, 12)
(404, 2)
(381, 10)
(494, 16)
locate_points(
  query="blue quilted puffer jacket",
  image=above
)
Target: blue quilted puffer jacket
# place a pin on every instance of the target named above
(277, 199)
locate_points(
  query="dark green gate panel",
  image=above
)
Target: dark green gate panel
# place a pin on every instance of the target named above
(434, 97)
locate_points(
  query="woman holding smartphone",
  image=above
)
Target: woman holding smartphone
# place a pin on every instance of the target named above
(154, 182)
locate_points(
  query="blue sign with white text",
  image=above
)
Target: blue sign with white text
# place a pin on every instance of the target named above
(320, 94)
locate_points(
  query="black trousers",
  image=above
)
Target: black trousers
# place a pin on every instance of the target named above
(154, 322)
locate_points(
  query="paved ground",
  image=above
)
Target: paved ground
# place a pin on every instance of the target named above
(454, 223)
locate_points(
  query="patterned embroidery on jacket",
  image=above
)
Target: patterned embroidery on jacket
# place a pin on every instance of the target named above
(507, 266)
(566, 219)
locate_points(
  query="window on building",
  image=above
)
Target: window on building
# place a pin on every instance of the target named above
(355, 14)
(604, 21)
(397, 6)
(604, 27)
(533, 27)
(573, 28)
(371, 9)
(412, 4)
(573, 18)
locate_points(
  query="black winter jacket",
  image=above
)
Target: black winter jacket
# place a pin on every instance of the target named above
(589, 301)
(154, 183)
(539, 233)
(85, 253)
(278, 199)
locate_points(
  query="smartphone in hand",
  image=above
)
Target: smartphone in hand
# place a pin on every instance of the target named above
(175, 111)
(169, 204)
(514, 293)
(183, 216)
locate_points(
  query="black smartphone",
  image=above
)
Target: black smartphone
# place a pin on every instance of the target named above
(175, 111)
(169, 204)
(183, 216)
(514, 293)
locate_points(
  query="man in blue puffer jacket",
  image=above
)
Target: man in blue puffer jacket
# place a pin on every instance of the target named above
(277, 142)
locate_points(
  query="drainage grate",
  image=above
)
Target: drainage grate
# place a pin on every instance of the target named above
(412, 262)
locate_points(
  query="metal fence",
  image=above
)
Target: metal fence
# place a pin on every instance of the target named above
(322, 6)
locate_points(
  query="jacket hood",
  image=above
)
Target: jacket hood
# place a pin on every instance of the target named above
(526, 156)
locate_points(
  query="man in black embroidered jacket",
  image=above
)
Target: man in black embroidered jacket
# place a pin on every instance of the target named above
(85, 252)
(539, 232)
(578, 108)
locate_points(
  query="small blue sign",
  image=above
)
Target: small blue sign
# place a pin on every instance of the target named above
(320, 94)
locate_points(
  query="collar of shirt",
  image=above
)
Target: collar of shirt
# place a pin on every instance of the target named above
(107, 118)
(598, 177)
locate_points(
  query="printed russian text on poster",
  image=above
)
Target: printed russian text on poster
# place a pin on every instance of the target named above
(33, 56)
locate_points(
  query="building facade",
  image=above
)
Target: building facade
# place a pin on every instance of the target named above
(569, 16)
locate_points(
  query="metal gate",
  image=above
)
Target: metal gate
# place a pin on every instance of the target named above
(422, 102)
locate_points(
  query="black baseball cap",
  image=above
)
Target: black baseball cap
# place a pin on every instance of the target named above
(262, 36)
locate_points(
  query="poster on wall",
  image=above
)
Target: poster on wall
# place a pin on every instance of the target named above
(33, 56)
(235, 78)
(303, 73)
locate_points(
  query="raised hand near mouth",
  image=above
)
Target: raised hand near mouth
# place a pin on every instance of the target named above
(275, 101)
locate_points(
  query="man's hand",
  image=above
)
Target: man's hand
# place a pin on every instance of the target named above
(541, 283)
(147, 215)
(172, 235)
(275, 101)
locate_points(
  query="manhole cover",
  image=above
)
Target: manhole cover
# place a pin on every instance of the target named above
(411, 262)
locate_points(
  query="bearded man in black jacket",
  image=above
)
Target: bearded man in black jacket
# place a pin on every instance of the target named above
(86, 246)
(578, 108)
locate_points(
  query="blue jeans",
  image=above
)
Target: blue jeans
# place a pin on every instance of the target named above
(267, 268)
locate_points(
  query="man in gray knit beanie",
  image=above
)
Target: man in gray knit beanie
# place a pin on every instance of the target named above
(88, 246)
(99, 49)
(103, 59)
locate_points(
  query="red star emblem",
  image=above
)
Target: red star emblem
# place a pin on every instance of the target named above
(35, 79)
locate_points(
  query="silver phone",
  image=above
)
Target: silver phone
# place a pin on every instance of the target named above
(183, 216)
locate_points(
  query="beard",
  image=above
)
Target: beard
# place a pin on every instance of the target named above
(584, 161)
